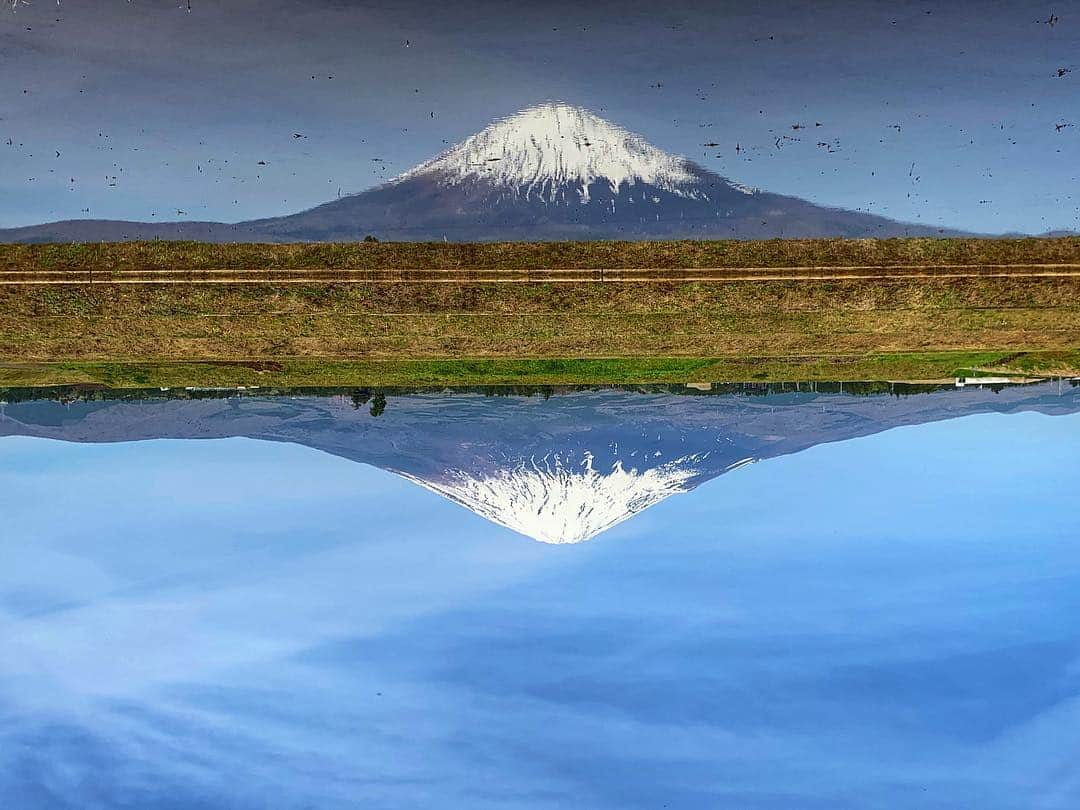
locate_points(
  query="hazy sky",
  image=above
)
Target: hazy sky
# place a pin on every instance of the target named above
(243, 624)
(936, 112)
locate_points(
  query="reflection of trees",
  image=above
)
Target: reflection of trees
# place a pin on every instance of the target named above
(360, 397)
(363, 397)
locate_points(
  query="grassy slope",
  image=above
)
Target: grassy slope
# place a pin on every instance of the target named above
(767, 253)
(326, 334)
(916, 366)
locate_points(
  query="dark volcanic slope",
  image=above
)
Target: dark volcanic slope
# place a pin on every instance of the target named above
(551, 172)
(426, 208)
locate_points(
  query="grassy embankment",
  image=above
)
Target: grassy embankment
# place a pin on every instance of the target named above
(543, 332)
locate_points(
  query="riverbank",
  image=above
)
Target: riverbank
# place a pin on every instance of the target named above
(837, 316)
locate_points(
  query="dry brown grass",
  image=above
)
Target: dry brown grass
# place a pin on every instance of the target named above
(176, 322)
(517, 255)
(754, 327)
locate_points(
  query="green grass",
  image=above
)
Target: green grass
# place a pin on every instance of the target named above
(505, 371)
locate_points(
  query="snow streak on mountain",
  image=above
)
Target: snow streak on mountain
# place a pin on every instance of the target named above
(555, 153)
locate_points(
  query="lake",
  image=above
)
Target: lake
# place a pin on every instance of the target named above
(815, 596)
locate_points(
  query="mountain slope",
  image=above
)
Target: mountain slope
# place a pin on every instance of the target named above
(551, 171)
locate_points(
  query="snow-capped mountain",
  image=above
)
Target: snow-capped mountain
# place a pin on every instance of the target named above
(550, 171)
(555, 153)
(554, 171)
(560, 470)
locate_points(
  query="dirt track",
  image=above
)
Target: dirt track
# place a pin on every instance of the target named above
(551, 275)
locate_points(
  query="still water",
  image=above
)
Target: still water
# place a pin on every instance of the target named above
(741, 598)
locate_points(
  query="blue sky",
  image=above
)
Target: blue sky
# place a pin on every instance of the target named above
(943, 113)
(889, 621)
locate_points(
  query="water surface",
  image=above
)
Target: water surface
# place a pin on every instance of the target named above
(741, 599)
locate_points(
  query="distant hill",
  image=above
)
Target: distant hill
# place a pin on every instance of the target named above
(550, 172)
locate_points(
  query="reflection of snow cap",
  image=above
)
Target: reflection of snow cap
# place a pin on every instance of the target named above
(553, 501)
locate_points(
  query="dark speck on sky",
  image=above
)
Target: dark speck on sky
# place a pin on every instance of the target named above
(187, 100)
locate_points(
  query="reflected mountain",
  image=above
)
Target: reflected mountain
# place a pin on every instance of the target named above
(558, 469)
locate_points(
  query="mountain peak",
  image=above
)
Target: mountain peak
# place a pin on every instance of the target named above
(549, 149)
